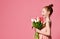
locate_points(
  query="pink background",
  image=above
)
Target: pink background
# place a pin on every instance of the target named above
(15, 18)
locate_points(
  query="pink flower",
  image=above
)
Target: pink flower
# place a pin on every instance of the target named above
(41, 19)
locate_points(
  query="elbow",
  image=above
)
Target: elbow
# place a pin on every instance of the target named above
(48, 34)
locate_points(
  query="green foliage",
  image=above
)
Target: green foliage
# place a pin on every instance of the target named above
(37, 25)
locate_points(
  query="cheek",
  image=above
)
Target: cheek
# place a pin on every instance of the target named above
(43, 13)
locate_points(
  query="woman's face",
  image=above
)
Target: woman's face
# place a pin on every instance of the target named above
(44, 12)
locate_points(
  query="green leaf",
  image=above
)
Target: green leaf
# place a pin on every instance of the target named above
(37, 25)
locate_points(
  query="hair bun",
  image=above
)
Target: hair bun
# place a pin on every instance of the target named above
(51, 5)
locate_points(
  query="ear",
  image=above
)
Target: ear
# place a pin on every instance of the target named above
(48, 12)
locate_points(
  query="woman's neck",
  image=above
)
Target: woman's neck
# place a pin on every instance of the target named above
(47, 18)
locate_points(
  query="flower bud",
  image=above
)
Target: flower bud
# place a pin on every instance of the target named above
(38, 19)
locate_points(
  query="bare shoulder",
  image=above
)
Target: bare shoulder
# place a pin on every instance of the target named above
(48, 23)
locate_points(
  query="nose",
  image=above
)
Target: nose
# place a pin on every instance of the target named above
(42, 13)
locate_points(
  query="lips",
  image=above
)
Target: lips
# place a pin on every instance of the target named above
(43, 15)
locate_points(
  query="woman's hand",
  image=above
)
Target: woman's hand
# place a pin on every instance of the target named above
(37, 30)
(34, 29)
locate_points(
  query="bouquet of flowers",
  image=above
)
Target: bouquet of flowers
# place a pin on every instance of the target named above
(37, 23)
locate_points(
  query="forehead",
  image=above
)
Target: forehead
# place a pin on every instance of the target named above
(44, 9)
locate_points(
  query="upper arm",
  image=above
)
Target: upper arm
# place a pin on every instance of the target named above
(48, 29)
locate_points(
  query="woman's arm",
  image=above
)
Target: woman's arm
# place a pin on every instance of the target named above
(47, 33)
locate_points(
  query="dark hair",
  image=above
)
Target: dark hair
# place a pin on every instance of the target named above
(49, 8)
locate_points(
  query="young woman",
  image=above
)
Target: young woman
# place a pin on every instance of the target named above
(45, 33)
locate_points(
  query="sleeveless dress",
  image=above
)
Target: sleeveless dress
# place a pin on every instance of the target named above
(43, 36)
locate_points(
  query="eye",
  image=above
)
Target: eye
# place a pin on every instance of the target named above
(43, 11)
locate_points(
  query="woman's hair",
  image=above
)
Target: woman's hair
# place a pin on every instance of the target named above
(49, 8)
